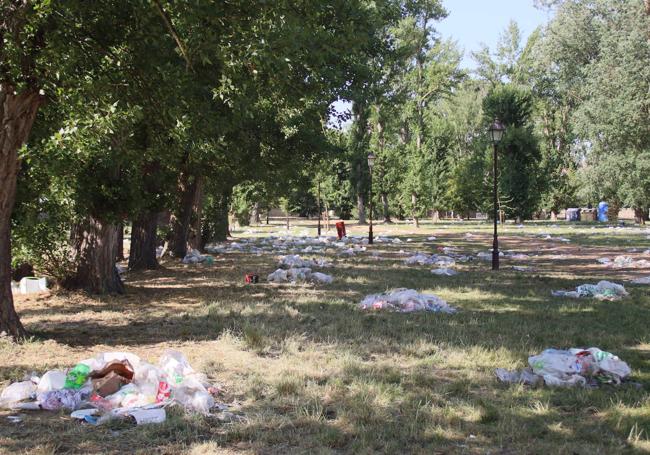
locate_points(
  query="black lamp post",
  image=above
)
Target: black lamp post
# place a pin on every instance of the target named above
(496, 133)
(371, 163)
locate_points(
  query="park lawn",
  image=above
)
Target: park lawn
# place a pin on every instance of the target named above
(310, 373)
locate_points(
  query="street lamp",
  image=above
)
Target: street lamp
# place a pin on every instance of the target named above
(496, 133)
(371, 163)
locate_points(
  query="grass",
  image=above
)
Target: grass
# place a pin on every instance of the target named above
(312, 374)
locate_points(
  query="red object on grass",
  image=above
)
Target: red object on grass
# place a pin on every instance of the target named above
(340, 229)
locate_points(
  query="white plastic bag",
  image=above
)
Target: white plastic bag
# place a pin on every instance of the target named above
(52, 380)
(18, 391)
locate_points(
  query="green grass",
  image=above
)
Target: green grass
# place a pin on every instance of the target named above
(312, 374)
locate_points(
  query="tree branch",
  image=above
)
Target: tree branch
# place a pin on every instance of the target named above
(172, 31)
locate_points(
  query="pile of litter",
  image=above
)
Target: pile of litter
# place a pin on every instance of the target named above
(295, 261)
(299, 274)
(444, 272)
(621, 262)
(575, 367)
(346, 246)
(604, 290)
(194, 257)
(406, 301)
(116, 385)
(296, 269)
(433, 259)
(487, 255)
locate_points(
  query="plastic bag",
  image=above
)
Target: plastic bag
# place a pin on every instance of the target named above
(62, 399)
(18, 391)
(77, 376)
(610, 364)
(175, 366)
(52, 380)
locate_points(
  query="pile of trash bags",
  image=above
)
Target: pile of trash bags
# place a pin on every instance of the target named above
(194, 257)
(406, 301)
(604, 290)
(115, 385)
(433, 259)
(299, 269)
(569, 368)
(295, 261)
(299, 274)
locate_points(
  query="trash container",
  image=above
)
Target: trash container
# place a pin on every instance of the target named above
(573, 214)
(588, 215)
(340, 229)
(603, 208)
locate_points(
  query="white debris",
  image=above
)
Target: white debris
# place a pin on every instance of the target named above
(642, 280)
(299, 274)
(444, 272)
(405, 301)
(604, 290)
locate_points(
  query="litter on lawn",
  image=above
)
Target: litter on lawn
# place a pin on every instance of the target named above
(444, 272)
(194, 257)
(641, 280)
(621, 262)
(569, 368)
(295, 261)
(116, 385)
(299, 274)
(604, 290)
(406, 301)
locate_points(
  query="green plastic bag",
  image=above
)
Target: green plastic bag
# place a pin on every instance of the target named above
(77, 377)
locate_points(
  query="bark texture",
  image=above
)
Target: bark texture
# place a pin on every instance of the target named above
(215, 227)
(93, 243)
(386, 211)
(119, 247)
(361, 208)
(17, 114)
(142, 255)
(189, 187)
(414, 203)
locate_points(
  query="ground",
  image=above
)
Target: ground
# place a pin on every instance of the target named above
(310, 373)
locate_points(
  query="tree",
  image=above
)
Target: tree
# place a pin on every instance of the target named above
(600, 51)
(519, 153)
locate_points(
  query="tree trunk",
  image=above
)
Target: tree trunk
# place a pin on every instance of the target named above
(361, 208)
(327, 217)
(194, 238)
(384, 204)
(17, 114)
(414, 203)
(435, 216)
(640, 215)
(216, 227)
(255, 214)
(188, 186)
(119, 245)
(142, 255)
(93, 243)
(553, 215)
